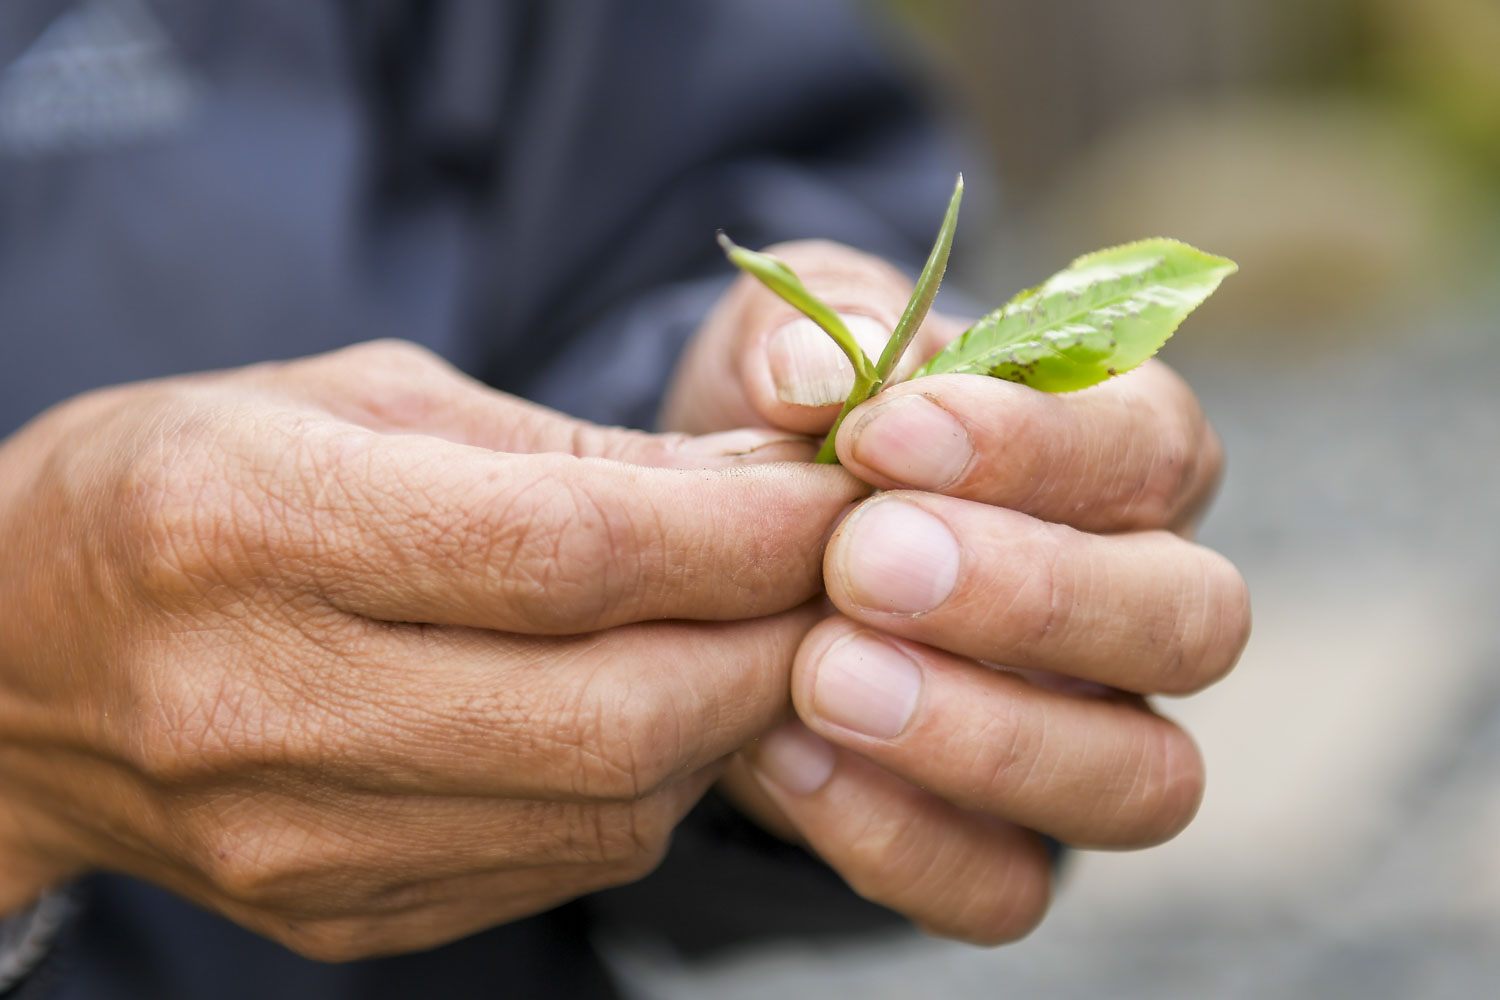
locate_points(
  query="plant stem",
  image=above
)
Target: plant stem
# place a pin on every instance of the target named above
(869, 377)
(864, 388)
(867, 385)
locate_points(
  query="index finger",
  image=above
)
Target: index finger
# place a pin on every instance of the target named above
(410, 528)
(1135, 453)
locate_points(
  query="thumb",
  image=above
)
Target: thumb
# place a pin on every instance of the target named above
(758, 361)
(400, 387)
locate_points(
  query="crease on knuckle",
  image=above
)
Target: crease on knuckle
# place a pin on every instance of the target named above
(625, 750)
(237, 509)
(1212, 626)
(182, 513)
(560, 558)
(586, 440)
(631, 837)
(319, 865)
(339, 515)
(1005, 756)
(1037, 608)
(258, 863)
(221, 707)
(196, 727)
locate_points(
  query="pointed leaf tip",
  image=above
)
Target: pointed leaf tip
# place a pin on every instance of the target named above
(1104, 314)
(925, 290)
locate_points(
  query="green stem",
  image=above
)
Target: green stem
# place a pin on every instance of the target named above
(917, 306)
(869, 377)
(864, 388)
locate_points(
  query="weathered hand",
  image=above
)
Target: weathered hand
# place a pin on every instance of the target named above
(998, 628)
(366, 656)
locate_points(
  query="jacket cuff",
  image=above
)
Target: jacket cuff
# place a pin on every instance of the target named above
(27, 936)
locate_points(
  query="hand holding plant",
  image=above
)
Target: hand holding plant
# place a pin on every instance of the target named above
(1047, 533)
(1104, 315)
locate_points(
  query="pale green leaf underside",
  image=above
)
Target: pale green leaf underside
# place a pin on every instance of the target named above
(1105, 314)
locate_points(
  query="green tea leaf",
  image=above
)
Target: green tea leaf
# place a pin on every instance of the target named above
(1105, 314)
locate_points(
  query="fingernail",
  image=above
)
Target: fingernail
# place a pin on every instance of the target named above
(795, 759)
(914, 441)
(736, 443)
(895, 557)
(807, 367)
(868, 686)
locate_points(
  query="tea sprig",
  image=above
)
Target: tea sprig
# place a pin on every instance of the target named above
(1104, 314)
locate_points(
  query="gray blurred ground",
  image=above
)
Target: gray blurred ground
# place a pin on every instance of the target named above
(1349, 844)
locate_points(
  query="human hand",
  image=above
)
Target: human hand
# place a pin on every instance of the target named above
(1044, 533)
(366, 656)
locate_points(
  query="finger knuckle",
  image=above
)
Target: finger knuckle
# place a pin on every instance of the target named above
(879, 849)
(631, 837)
(627, 871)
(195, 728)
(213, 502)
(986, 897)
(656, 735)
(255, 863)
(330, 941)
(610, 742)
(1004, 755)
(389, 354)
(395, 382)
(1034, 599)
(562, 559)
(1166, 791)
(204, 716)
(628, 759)
(1213, 626)
(178, 516)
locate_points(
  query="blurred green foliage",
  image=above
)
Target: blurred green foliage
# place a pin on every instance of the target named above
(1346, 152)
(1443, 58)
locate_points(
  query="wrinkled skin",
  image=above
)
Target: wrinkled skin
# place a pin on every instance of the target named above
(366, 656)
(1026, 578)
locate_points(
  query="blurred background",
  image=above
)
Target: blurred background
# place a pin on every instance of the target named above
(1347, 154)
